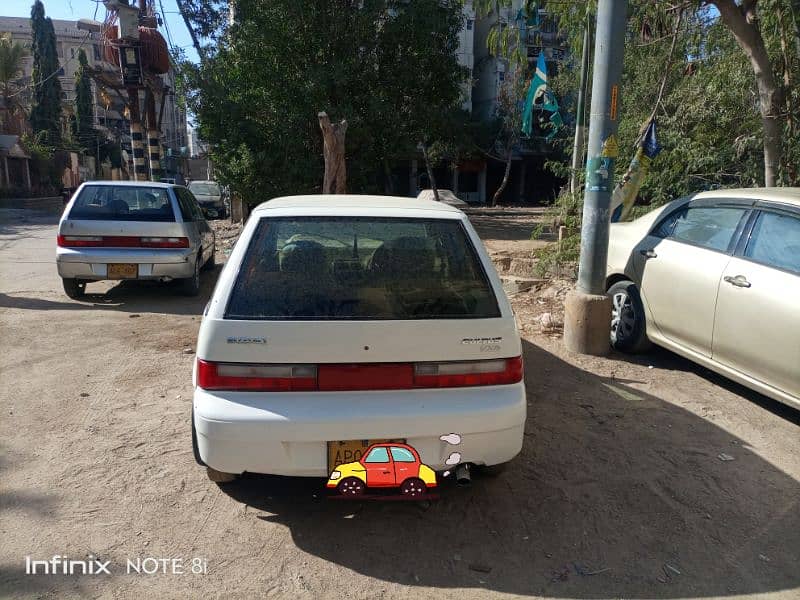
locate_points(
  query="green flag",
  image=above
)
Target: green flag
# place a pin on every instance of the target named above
(535, 91)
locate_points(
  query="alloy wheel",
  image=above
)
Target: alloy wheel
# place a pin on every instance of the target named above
(623, 317)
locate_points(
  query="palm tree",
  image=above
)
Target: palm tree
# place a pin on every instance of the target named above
(11, 57)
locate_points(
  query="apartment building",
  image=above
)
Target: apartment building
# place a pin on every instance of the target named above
(540, 35)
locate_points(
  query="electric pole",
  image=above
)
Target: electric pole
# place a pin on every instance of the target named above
(587, 310)
(580, 113)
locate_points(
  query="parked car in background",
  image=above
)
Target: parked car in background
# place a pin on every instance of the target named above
(211, 197)
(348, 320)
(715, 277)
(132, 230)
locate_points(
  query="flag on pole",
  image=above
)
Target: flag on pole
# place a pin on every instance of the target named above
(625, 192)
(535, 91)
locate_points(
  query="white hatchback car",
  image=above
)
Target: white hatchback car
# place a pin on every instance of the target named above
(715, 277)
(339, 321)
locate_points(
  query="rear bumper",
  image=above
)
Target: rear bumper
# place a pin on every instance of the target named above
(287, 433)
(91, 263)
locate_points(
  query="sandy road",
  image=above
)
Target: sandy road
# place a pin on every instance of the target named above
(619, 491)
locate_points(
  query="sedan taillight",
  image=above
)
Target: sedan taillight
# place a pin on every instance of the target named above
(353, 377)
(120, 241)
(256, 378)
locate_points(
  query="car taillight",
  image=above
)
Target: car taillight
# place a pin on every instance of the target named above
(121, 241)
(165, 242)
(79, 241)
(256, 378)
(353, 377)
(468, 373)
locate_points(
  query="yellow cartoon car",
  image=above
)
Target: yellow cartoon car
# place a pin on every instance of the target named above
(384, 466)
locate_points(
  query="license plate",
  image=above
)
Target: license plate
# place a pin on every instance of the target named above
(345, 451)
(122, 271)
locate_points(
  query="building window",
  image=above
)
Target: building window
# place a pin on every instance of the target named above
(96, 51)
(72, 53)
(470, 23)
(501, 75)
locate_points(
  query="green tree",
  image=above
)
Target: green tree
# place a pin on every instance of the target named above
(11, 57)
(83, 126)
(388, 67)
(46, 107)
(753, 35)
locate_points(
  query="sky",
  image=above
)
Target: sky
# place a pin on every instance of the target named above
(72, 10)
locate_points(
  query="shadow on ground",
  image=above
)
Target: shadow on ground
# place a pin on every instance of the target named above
(127, 296)
(491, 227)
(616, 494)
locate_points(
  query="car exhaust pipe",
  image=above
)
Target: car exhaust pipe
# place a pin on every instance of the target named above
(462, 474)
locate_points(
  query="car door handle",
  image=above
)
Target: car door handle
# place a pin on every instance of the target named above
(738, 281)
(649, 253)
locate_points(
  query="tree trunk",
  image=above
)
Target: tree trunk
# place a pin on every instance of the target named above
(335, 181)
(743, 23)
(428, 167)
(504, 183)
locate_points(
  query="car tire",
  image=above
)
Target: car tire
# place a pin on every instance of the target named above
(195, 448)
(73, 288)
(628, 331)
(351, 486)
(191, 286)
(219, 476)
(413, 487)
(211, 262)
(492, 470)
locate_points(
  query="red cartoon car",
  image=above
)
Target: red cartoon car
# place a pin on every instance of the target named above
(388, 465)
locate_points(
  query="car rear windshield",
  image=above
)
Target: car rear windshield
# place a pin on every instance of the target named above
(122, 203)
(328, 268)
(204, 189)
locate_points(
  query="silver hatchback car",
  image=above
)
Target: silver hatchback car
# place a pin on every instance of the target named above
(133, 230)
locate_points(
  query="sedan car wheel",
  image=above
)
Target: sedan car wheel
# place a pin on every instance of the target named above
(627, 318)
(191, 286)
(413, 488)
(351, 486)
(73, 288)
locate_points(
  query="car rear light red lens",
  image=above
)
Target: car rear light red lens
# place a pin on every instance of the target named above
(79, 241)
(355, 377)
(468, 373)
(121, 241)
(256, 378)
(165, 242)
(375, 376)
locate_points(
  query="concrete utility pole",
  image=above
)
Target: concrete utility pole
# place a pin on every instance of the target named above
(580, 113)
(587, 310)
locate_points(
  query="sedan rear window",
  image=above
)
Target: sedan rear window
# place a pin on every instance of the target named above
(324, 268)
(201, 188)
(122, 203)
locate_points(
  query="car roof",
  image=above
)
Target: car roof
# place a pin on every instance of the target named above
(786, 195)
(150, 184)
(332, 203)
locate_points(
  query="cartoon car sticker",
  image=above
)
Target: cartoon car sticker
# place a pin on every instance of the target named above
(384, 465)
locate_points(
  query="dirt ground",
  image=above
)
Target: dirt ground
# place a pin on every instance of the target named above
(619, 491)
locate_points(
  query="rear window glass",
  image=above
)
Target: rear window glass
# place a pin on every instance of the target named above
(202, 188)
(324, 268)
(122, 203)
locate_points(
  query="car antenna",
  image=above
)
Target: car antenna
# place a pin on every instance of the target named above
(355, 245)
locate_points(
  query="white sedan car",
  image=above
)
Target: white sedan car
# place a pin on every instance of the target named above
(715, 277)
(342, 321)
